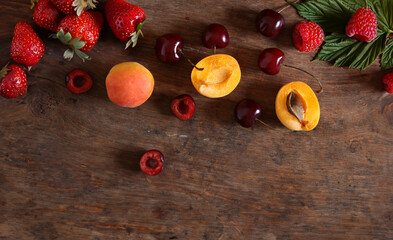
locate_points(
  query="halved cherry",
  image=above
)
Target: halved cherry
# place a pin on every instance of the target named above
(152, 162)
(183, 107)
(78, 81)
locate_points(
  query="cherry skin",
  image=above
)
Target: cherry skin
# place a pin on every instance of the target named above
(270, 60)
(270, 23)
(215, 35)
(183, 107)
(78, 81)
(168, 48)
(246, 112)
(152, 162)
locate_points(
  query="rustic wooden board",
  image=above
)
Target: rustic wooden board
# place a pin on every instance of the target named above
(69, 163)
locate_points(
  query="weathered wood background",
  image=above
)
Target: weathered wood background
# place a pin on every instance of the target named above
(69, 163)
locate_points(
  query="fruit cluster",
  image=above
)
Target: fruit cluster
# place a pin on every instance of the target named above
(130, 84)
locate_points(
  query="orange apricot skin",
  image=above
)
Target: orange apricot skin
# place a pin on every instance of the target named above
(220, 76)
(129, 84)
(310, 105)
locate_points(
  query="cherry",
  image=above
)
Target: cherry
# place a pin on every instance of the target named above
(168, 48)
(215, 36)
(183, 107)
(246, 112)
(270, 23)
(152, 162)
(270, 60)
(78, 81)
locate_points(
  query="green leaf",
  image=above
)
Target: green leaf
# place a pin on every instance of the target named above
(68, 54)
(82, 55)
(347, 52)
(385, 14)
(387, 56)
(331, 15)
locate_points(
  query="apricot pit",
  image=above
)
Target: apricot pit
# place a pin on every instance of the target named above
(297, 107)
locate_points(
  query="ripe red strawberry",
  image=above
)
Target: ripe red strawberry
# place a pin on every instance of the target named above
(80, 33)
(363, 25)
(46, 15)
(72, 6)
(27, 48)
(12, 81)
(125, 20)
(307, 36)
(388, 82)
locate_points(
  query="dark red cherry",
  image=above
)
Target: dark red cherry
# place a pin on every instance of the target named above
(78, 81)
(152, 162)
(168, 48)
(270, 23)
(183, 107)
(215, 35)
(270, 60)
(246, 112)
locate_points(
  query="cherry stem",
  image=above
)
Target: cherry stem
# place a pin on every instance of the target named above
(182, 53)
(299, 69)
(215, 49)
(286, 6)
(267, 125)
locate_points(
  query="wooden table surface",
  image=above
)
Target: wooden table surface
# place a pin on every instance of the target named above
(69, 163)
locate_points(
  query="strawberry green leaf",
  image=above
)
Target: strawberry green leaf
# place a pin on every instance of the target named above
(347, 52)
(82, 55)
(68, 54)
(387, 56)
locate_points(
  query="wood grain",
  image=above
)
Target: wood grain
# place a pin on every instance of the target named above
(69, 163)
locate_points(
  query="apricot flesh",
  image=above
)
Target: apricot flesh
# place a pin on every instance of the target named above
(220, 75)
(129, 84)
(309, 103)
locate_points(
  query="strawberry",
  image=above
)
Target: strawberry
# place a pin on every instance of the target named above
(12, 81)
(387, 81)
(307, 36)
(27, 48)
(125, 20)
(80, 33)
(363, 25)
(72, 6)
(46, 15)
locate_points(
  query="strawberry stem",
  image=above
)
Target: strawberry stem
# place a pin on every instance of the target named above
(75, 43)
(4, 71)
(135, 35)
(33, 3)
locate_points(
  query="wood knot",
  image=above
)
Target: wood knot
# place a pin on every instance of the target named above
(43, 102)
(388, 113)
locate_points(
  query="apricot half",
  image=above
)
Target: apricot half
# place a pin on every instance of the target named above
(297, 107)
(219, 77)
(129, 84)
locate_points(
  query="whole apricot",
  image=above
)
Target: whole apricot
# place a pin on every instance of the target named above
(220, 75)
(297, 107)
(129, 84)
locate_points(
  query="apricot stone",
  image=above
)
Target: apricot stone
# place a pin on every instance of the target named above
(129, 84)
(219, 77)
(297, 107)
